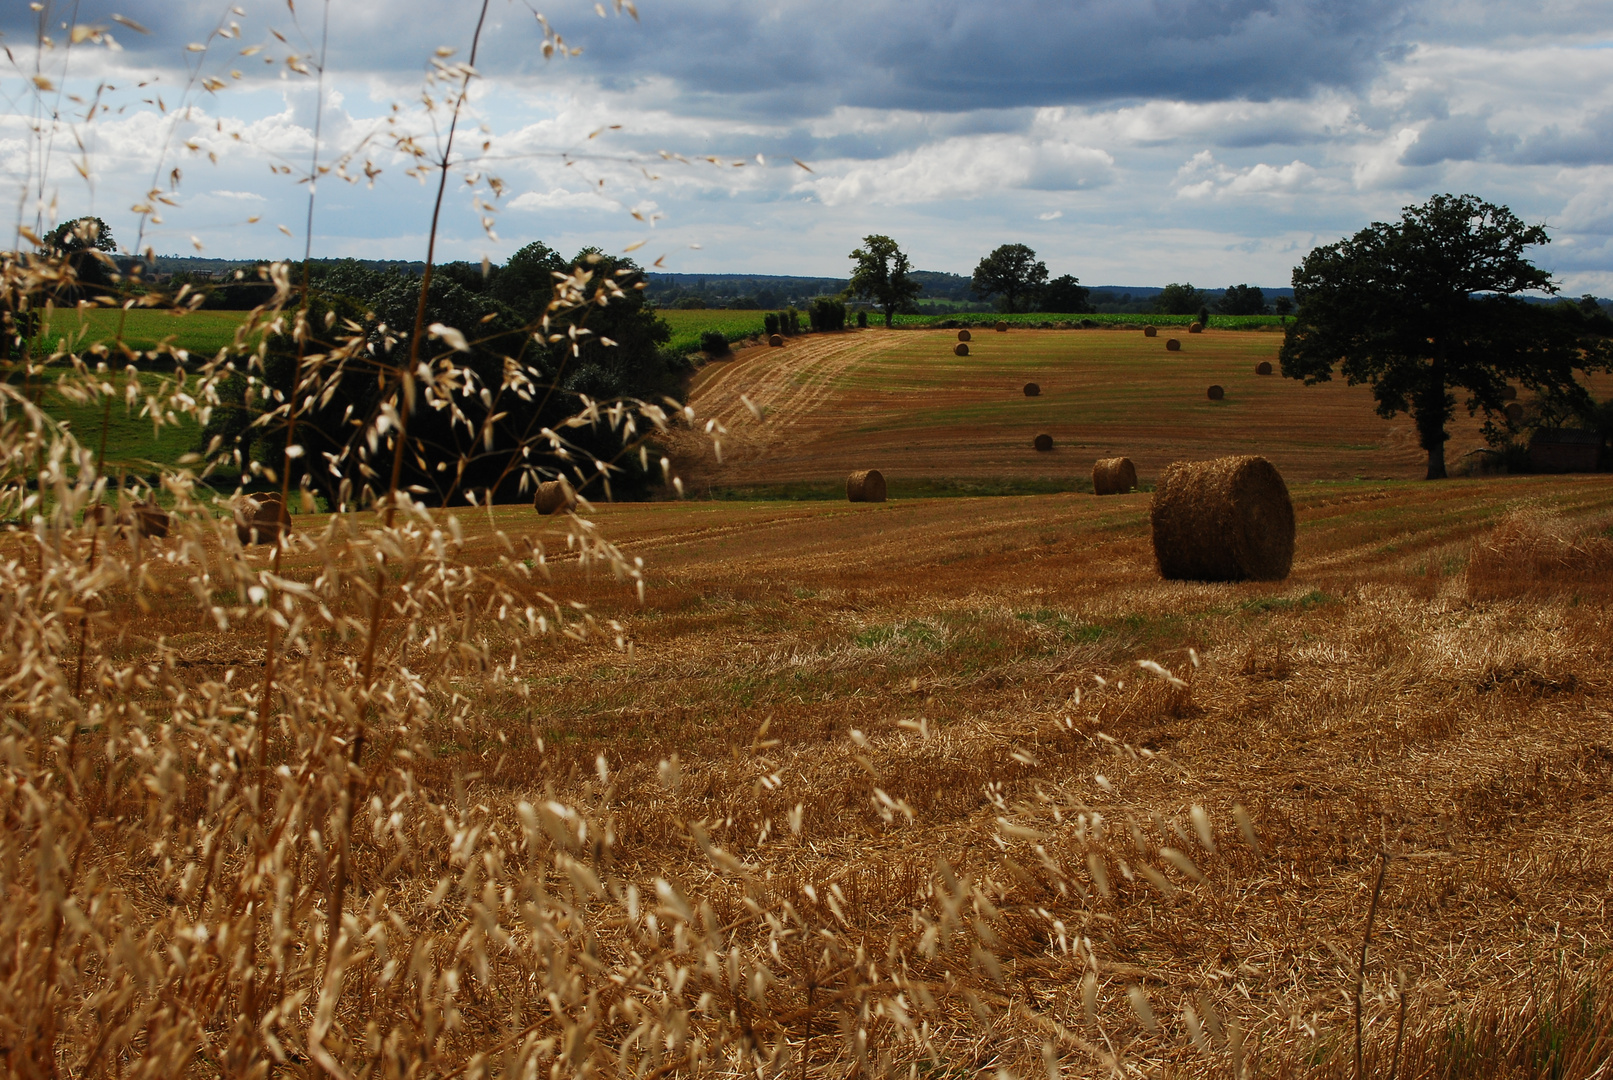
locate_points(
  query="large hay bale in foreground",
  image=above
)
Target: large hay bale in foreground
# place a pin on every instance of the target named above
(775, 340)
(1032, 390)
(1172, 345)
(960, 349)
(1215, 392)
(554, 496)
(1002, 327)
(1263, 368)
(868, 485)
(1113, 476)
(964, 335)
(1149, 331)
(1043, 443)
(1230, 519)
(262, 519)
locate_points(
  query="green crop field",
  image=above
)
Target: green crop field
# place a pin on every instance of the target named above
(202, 333)
(131, 442)
(687, 326)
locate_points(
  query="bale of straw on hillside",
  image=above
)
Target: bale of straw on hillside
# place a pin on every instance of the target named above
(1514, 412)
(554, 496)
(1230, 519)
(1509, 393)
(1215, 392)
(1263, 368)
(866, 485)
(1032, 390)
(964, 335)
(150, 519)
(261, 519)
(1195, 328)
(1043, 443)
(1113, 476)
(775, 340)
(1172, 345)
(1002, 327)
(1149, 331)
(960, 349)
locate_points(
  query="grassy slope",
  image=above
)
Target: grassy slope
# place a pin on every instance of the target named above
(902, 402)
(200, 332)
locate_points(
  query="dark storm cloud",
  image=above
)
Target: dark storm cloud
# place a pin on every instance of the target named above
(1590, 143)
(1455, 138)
(805, 57)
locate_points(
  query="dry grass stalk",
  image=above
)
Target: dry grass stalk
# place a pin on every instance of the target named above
(1534, 553)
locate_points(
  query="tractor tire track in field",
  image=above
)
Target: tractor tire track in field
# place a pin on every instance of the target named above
(787, 384)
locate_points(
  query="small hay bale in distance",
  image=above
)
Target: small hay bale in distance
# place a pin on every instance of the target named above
(1002, 327)
(775, 340)
(866, 485)
(1113, 476)
(1032, 390)
(1149, 331)
(262, 519)
(554, 496)
(1172, 345)
(1043, 443)
(1229, 519)
(1514, 412)
(1263, 368)
(964, 335)
(150, 519)
(1215, 392)
(1195, 328)
(960, 349)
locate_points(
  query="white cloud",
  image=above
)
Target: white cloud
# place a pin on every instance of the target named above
(1051, 215)
(561, 199)
(1203, 177)
(245, 196)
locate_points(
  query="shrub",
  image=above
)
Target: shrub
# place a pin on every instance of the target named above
(770, 323)
(794, 318)
(862, 320)
(713, 343)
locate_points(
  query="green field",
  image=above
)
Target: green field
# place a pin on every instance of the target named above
(202, 333)
(687, 326)
(131, 443)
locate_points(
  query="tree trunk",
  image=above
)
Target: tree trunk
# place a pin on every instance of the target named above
(889, 313)
(1433, 410)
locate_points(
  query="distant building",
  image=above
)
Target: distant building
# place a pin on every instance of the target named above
(1565, 450)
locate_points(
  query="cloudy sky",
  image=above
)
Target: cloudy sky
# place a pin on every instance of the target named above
(1127, 141)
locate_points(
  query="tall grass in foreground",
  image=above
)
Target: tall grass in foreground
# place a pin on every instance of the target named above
(245, 830)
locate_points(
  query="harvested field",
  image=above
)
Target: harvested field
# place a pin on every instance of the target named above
(901, 401)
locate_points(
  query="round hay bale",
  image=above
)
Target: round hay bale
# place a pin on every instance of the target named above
(964, 335)
(1149, 331)
(866, 485)
(775, 340)
(262, 519)
(1172, 345)
(1043, 443)
(151, 519)
(554, 496)
(1514, 412)
(1509, 393)
(1195, 328)
(1032, 390)
(960, 349)
(1113, 476)
(1263, 368)
(1230, 519)
(1215, 393)
(1002, 327)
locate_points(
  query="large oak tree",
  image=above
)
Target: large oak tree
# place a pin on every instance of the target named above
(1012, 272)
(882, 276)
(1426, 306)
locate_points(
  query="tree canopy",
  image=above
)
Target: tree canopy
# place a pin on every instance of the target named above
(1066, 295)
(1427, 305)
(1242, 300)
(79, 241)
(1179, 299)
(1012, 273)
(881, 276)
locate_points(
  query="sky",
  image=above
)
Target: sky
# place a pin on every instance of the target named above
(1138, 142)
